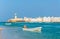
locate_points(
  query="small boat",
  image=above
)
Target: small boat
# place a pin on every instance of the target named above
(7, 23)
(37, 29)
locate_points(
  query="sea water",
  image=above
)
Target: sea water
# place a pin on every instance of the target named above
(14, 30)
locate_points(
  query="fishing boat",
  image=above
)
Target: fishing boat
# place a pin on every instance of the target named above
(37, 29)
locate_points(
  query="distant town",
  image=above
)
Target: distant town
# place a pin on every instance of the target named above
(38, 19)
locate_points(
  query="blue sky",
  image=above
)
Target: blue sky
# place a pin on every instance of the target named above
(28, 8)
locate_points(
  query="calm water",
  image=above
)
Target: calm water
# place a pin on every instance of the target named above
(14, 31)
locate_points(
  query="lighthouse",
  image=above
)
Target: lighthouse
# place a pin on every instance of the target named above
(16, 19)
(15, 16)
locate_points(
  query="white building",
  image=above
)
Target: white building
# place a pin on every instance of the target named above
(56, 19)
(46, 19)
(39, 19)
(27, 19)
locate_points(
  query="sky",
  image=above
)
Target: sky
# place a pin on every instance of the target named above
(28, 8)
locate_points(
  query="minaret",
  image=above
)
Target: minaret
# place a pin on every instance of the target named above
(15, 16)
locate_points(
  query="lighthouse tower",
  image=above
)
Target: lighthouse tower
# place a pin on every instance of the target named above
(15, 16)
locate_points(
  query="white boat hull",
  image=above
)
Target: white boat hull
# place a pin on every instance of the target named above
(37, 29)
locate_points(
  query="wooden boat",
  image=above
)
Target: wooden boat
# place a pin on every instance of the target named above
(37, 29)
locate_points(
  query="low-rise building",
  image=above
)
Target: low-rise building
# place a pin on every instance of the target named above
(38, 19)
